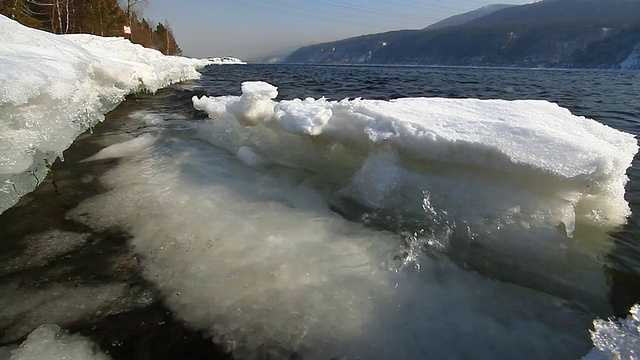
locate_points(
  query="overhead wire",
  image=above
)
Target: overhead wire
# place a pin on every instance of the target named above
(343, 12)
(341, 4)
(333, 14)
(293, 11)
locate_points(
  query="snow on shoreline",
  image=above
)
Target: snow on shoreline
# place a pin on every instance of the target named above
(54, 87)
(632, 62)
(226, 60)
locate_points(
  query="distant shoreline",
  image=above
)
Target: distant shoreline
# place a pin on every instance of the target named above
(454, 67)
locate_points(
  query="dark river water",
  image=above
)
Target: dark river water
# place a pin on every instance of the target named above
(64, 260)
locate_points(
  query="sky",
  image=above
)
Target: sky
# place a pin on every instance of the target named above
(249, 29)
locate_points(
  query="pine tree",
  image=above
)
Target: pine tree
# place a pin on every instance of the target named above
(97, 17)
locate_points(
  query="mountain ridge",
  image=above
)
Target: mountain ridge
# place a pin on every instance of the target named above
(549, 33)
(466, 17)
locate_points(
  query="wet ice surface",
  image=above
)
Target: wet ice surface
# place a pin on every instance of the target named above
(54, 270)
(279, 239)
(260, 258)
(251, 251)
(254, 256)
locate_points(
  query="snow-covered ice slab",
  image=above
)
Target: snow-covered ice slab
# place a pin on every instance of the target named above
(487, 163)
(53, 88)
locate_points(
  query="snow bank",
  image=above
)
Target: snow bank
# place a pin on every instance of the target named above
(53, 88)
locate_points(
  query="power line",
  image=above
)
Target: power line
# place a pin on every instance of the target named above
(335, 12)
(343, 12)
(372, 11)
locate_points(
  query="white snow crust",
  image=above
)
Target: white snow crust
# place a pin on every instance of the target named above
(53, 88)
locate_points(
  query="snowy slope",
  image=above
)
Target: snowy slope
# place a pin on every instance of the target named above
(633, 61)
(53, 88)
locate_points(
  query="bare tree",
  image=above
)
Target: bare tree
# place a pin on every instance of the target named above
(169, 36)
(59, 12)
(131, 5)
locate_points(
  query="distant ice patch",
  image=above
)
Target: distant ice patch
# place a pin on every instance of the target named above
(225, 60)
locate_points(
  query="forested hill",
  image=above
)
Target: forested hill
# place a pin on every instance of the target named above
(549, 33)
(466, 17)
(97, 17)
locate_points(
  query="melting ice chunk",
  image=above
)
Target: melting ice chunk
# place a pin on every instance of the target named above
(125, 148)
(615, 339)
(49, 342)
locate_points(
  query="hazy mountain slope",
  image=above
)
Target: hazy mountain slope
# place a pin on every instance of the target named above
(632, 62)
(599, 12)
(352, 50)
(466, 17)
(554, 33)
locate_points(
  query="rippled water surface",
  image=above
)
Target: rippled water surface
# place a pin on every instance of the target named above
(180, 251)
